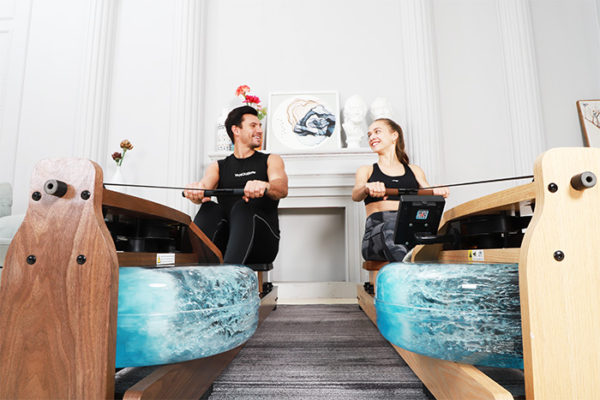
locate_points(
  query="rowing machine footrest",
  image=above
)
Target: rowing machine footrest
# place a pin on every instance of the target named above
(266, 288)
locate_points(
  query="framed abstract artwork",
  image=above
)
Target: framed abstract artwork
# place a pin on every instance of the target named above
(303, 122)
(589, 118)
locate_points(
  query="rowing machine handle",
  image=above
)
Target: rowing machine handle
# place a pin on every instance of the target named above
(396, 192)
(224, 192)
(221, 192)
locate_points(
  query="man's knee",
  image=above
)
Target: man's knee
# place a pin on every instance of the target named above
(208, 207)
(210, 212)
(242, 210)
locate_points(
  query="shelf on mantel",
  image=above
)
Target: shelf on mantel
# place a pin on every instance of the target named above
(345, 153)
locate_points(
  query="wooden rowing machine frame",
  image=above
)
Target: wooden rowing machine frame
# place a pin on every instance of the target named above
(559, 276)
(59, 291)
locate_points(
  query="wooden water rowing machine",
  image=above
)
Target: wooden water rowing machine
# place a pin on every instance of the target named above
(558, 278)
(58, 294)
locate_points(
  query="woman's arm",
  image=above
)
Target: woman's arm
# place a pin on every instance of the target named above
(362, 175)
(420, 176)
(362, 188)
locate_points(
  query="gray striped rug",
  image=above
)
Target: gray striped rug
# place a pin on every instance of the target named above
(325, 352)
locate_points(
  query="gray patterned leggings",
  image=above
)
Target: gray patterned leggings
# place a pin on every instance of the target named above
(378, 242)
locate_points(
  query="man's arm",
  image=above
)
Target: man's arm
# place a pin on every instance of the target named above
(208, 181)
(278, 180)
(277, 187)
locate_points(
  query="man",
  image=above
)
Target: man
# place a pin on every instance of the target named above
(246, 229)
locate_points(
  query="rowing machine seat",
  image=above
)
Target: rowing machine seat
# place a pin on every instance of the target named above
(372, 265)
(261, 267)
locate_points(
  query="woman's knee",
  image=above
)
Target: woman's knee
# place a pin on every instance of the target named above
(388, 230)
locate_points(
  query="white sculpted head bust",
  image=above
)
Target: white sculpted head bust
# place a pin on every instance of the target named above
(355, 111)
(381, 108)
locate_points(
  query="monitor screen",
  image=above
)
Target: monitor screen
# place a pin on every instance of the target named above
(417, 215)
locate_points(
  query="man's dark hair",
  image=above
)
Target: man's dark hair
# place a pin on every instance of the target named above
(236, 116)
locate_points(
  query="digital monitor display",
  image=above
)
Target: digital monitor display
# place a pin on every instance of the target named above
(417, 215)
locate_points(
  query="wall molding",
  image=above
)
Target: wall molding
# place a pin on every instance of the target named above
(423, 119)
(10, 116)
(522, 83)
(96, 81)
(185, 144)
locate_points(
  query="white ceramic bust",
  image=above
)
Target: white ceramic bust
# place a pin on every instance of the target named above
(223, 142)
(355, 111)
(381, 108)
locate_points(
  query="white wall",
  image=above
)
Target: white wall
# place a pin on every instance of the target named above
(141, 94)
(568, 49)
(7, 15)
(473, 98)
(45, 92)
(361, 54)
(271, 45)
(351, 46)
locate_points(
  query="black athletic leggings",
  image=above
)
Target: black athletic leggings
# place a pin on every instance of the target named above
(246, 237)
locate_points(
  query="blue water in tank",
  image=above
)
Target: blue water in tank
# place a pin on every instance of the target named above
(469, 313)
(174, 314)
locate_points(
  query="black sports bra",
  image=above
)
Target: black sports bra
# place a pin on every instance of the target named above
(406, 181)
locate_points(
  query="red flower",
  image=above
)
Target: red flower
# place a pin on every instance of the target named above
(252, 99)
(242, 90)
(116, 156)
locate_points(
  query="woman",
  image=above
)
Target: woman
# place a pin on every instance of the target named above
(391, 170)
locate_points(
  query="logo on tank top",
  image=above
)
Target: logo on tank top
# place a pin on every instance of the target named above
(244, 174)
(395, 180)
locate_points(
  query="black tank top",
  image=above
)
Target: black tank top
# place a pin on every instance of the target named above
(406, 181)
(235, 172)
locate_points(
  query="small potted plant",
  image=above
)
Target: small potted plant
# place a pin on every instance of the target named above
(118, 157)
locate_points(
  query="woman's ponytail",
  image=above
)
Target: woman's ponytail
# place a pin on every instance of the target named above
(400, 152)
